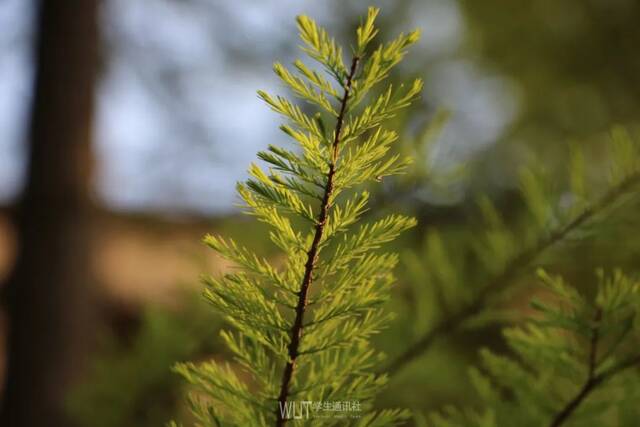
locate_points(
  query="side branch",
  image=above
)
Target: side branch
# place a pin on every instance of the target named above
(499, 282)
(590, 384)
(312, 255)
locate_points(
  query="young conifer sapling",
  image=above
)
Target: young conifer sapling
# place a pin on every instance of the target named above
(300, 332)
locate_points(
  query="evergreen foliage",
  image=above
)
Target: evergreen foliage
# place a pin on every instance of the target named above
(571, 365)
(300, 322)
(458, 286)
(129, 382)
(301, 330)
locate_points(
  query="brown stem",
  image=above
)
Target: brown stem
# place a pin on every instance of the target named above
(570, 407)
(591, 382)
(500, 281)
(312, 255)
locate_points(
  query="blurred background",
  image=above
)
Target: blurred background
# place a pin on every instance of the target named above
(124, 126)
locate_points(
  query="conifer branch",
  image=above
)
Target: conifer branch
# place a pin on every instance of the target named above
(570, 336)
(312, 253)
(627, 364)
(267, 305)
(509, 273)
(591, 382)
(564, 414)
(589, 386)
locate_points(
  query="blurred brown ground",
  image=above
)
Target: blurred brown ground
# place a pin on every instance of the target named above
(134, 260)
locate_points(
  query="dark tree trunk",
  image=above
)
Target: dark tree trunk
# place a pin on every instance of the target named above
(45, 296)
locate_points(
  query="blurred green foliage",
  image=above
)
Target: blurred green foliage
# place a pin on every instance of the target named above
(575, 362)
(462, 280)
(576, 61)
(130, 384)
(574, 68)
